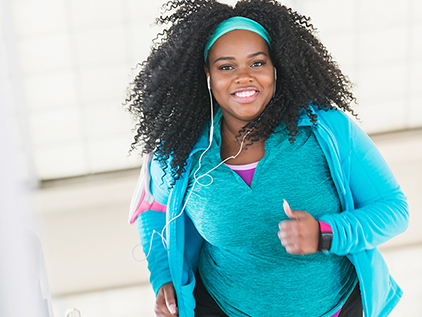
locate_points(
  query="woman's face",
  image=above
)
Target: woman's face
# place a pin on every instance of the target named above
(242, 75)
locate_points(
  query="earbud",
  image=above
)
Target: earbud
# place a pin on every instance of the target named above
(275, 81)
(275, 73)
(208, 82)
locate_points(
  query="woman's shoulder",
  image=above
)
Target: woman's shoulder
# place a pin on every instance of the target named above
(341, 129)
(160, 177)
(334, 117)
(337, 122)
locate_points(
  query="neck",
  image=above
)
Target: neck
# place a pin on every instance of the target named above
(230, 145)
(229, 132)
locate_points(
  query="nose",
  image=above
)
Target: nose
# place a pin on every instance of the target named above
(244, 77)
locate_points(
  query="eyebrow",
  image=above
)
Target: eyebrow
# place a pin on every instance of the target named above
(229, 58)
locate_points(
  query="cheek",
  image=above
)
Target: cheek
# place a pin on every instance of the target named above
(269, 83)
(220, 86)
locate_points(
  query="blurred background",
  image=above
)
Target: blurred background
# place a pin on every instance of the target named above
(66, 176)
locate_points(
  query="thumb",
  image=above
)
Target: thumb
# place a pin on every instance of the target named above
(170, 299)
(292, 214)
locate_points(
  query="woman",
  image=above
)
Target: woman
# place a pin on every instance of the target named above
(275, 205)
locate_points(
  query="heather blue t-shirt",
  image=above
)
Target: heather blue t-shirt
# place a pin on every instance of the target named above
(242, 263)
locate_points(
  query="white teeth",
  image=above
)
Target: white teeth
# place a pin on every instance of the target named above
(245, 94)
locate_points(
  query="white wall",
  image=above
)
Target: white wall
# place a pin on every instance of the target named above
(23, 288)
(76, 57)
(378, 43)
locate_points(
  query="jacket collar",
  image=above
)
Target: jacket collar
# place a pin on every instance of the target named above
(203, 141)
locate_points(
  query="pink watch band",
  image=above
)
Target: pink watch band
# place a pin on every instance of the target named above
(325, 227)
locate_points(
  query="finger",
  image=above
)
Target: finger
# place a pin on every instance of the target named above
(288, 232)
(281, 235)
(283, 225)
(170, 299)
(293, 214)
(287, 209)
(294, 249)
(160, 307)
(287, 238)
(287, 242)
(288, 226)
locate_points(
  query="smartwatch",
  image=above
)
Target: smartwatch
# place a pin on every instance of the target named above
(325, 237)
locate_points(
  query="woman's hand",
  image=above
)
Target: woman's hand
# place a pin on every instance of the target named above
(300, 234)
(165, 303)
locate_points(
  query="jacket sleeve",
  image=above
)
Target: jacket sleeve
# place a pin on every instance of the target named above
(380, 209)
(148, 210)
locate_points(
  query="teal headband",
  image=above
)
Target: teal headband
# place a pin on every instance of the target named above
(236, 23)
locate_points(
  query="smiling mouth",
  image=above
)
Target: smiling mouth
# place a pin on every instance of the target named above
(245, 94)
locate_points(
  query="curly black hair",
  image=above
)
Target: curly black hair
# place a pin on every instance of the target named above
(169, 97)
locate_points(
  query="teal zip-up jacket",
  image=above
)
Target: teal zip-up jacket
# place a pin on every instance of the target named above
(374, 211)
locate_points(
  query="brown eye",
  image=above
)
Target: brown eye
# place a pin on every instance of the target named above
(257, 64)
(225, 67)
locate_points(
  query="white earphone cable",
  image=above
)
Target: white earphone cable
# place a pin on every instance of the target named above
(195, 177)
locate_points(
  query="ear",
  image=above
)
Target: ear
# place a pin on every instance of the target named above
(208, 74)
(207, 71)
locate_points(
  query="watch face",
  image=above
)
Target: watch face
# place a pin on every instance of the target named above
(326, 239)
